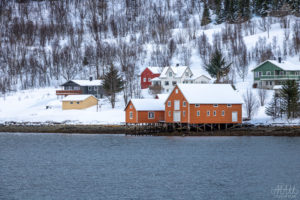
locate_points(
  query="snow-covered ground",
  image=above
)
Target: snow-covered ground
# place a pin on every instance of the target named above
(30, 106)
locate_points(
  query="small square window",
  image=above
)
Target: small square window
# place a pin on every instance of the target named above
(169, 103)
(215, 105)
(215, 113)
(71, 102)
(223, 113)
(198, 113)
(197, 105)
(184, 103)
(166, 82)
(174, 83)
(150, 115)
(208, 113)
(229, 105)
(77, 102)
(268, 73)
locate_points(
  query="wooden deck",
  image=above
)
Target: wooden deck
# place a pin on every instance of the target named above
(68, 92)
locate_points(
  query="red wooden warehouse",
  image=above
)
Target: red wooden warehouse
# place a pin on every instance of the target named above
(148, 74)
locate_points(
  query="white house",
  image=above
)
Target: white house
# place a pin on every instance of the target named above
(171, 76)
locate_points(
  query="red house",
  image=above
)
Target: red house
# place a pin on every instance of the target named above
(148, 74)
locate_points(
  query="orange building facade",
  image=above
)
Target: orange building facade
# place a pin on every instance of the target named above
(178, 109)
(135, 113)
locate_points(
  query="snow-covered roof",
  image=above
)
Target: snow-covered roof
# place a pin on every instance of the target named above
(210, 94)
(285, 65)
(162, 97)
(155, 70)
(148, 104)
(77, 97)
(178, 70)
(86, 82)
(155, 79)
(277, 87)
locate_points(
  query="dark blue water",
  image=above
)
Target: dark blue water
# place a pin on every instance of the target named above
(61, 166)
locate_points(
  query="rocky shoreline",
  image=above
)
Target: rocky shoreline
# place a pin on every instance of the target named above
(246, 130)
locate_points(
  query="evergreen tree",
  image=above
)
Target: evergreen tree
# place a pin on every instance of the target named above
(113, 83)
(290, 96)
(217, 66)
(205, 17)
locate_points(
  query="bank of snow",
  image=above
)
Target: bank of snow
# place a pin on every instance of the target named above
(30, 106)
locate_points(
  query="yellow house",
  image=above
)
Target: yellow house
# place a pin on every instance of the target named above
(79, 102)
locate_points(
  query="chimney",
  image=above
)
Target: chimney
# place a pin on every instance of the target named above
(91, 78)
(177, 65)
(279, 59)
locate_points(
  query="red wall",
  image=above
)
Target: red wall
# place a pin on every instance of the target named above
(147, 74)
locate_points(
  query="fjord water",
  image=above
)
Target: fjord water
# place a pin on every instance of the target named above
(74, 166)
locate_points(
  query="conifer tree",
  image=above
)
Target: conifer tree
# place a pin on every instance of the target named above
(113, 83)
(290, 96)
(217, 66)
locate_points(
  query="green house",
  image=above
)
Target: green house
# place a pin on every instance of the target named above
(272, 72)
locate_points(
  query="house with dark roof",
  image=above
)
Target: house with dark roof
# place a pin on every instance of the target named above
(80, 87)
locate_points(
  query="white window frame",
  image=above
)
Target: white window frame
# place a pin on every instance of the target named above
(166, 82)
(174, 83)
(216, 105)
(184, 104)
(144, 79)
(208, 113)
(149, 79)
(197, 105)
(170, 113)
(176, 91)
(183, 113)
(198, 113)
(229, 105)
(90, 88)
(130, 115)
(215, 113)
(169, 103)
(223, 112)
(150, 116)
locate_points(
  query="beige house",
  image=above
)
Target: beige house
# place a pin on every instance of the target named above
(79, 102)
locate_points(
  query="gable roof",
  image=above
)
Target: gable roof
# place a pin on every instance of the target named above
(147, 104)
(210, 94)
(155, 70)
(178, 71)
(284, 65)
(86, 82)
(77, 97)
(162, 97)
